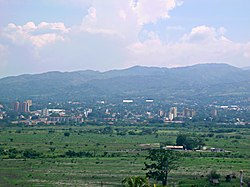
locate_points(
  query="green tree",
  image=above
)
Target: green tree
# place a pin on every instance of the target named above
(162, 162)
(213, 175)
(189, 141)
(30, 153)
(2, 152)
(135, 181)
(107, 130)
(66, 134)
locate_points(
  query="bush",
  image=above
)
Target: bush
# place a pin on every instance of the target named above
(213, 175)
(228, 178)
(66, 134)
(2, 152)
(131, 133)
(71, 154)
(30, 153)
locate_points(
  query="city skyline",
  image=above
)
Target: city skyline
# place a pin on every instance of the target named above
(74, 35)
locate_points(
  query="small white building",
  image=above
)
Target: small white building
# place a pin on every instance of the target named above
(128, 101)
(174, 147)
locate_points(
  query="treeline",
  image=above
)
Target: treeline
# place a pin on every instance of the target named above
(197, 154)
(80, 154)
(120, 131)
(13, 153)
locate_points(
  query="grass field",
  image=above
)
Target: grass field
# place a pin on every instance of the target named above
(111, 157)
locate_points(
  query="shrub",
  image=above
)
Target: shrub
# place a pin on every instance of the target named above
(30, 153)
(213, 175)
(66, 134)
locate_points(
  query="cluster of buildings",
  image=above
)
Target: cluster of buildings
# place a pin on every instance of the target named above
(49, 116)
(127, 111)
(22, 107)
(173, 114)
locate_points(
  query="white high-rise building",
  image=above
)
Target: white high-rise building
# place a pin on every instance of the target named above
(173, 110)
(171, 116)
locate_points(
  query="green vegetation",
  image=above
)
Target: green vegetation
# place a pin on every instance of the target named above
(135, 182)
(106, 155)
(189, 141)
(220, 80)
(162, 162)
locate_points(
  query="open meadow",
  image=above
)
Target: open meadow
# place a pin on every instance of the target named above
(105, 155)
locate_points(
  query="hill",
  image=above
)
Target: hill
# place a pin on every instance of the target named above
(201, 79)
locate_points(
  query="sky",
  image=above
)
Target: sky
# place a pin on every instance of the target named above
(68, 35)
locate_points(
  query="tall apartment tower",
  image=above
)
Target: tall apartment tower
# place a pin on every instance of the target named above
(161, 113)
(214, 113)
(29, 102)
(171, 116)
(16, 106)
(187, 113)
(24, 107)
(173, 110)
(172, 113)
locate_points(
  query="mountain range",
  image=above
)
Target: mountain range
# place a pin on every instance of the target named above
(137, 81)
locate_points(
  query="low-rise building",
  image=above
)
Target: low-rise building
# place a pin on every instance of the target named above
(174, 147)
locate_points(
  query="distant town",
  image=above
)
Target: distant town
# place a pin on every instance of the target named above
(125, 111)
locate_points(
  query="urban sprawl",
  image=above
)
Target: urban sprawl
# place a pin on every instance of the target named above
(126, 111)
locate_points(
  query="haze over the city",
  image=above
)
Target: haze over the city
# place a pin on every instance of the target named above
(68, 35)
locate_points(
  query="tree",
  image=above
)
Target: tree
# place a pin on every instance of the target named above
(2, 152)
(213, 177)
(30, 153)
(162, 162)
(135, 181)
(189, 141)
(52, 149)
(107, 130)
(66, 134)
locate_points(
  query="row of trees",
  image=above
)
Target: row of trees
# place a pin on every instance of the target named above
(14, 153)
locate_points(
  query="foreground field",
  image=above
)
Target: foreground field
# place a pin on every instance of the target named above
(101, 156)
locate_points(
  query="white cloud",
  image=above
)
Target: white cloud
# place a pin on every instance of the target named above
(28, 27)
(122, 19)
(44, 39)
(149, 11)
(38, 36)
(59, 26)
(123, 14)
(115, 34)
(112, 18)
(247, 51)
(205, 34)
(91, 24)
(3, 55)
(125, 18)
(146, 11)
(203, 44)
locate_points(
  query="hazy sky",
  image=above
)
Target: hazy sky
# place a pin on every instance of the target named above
(66, 35)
